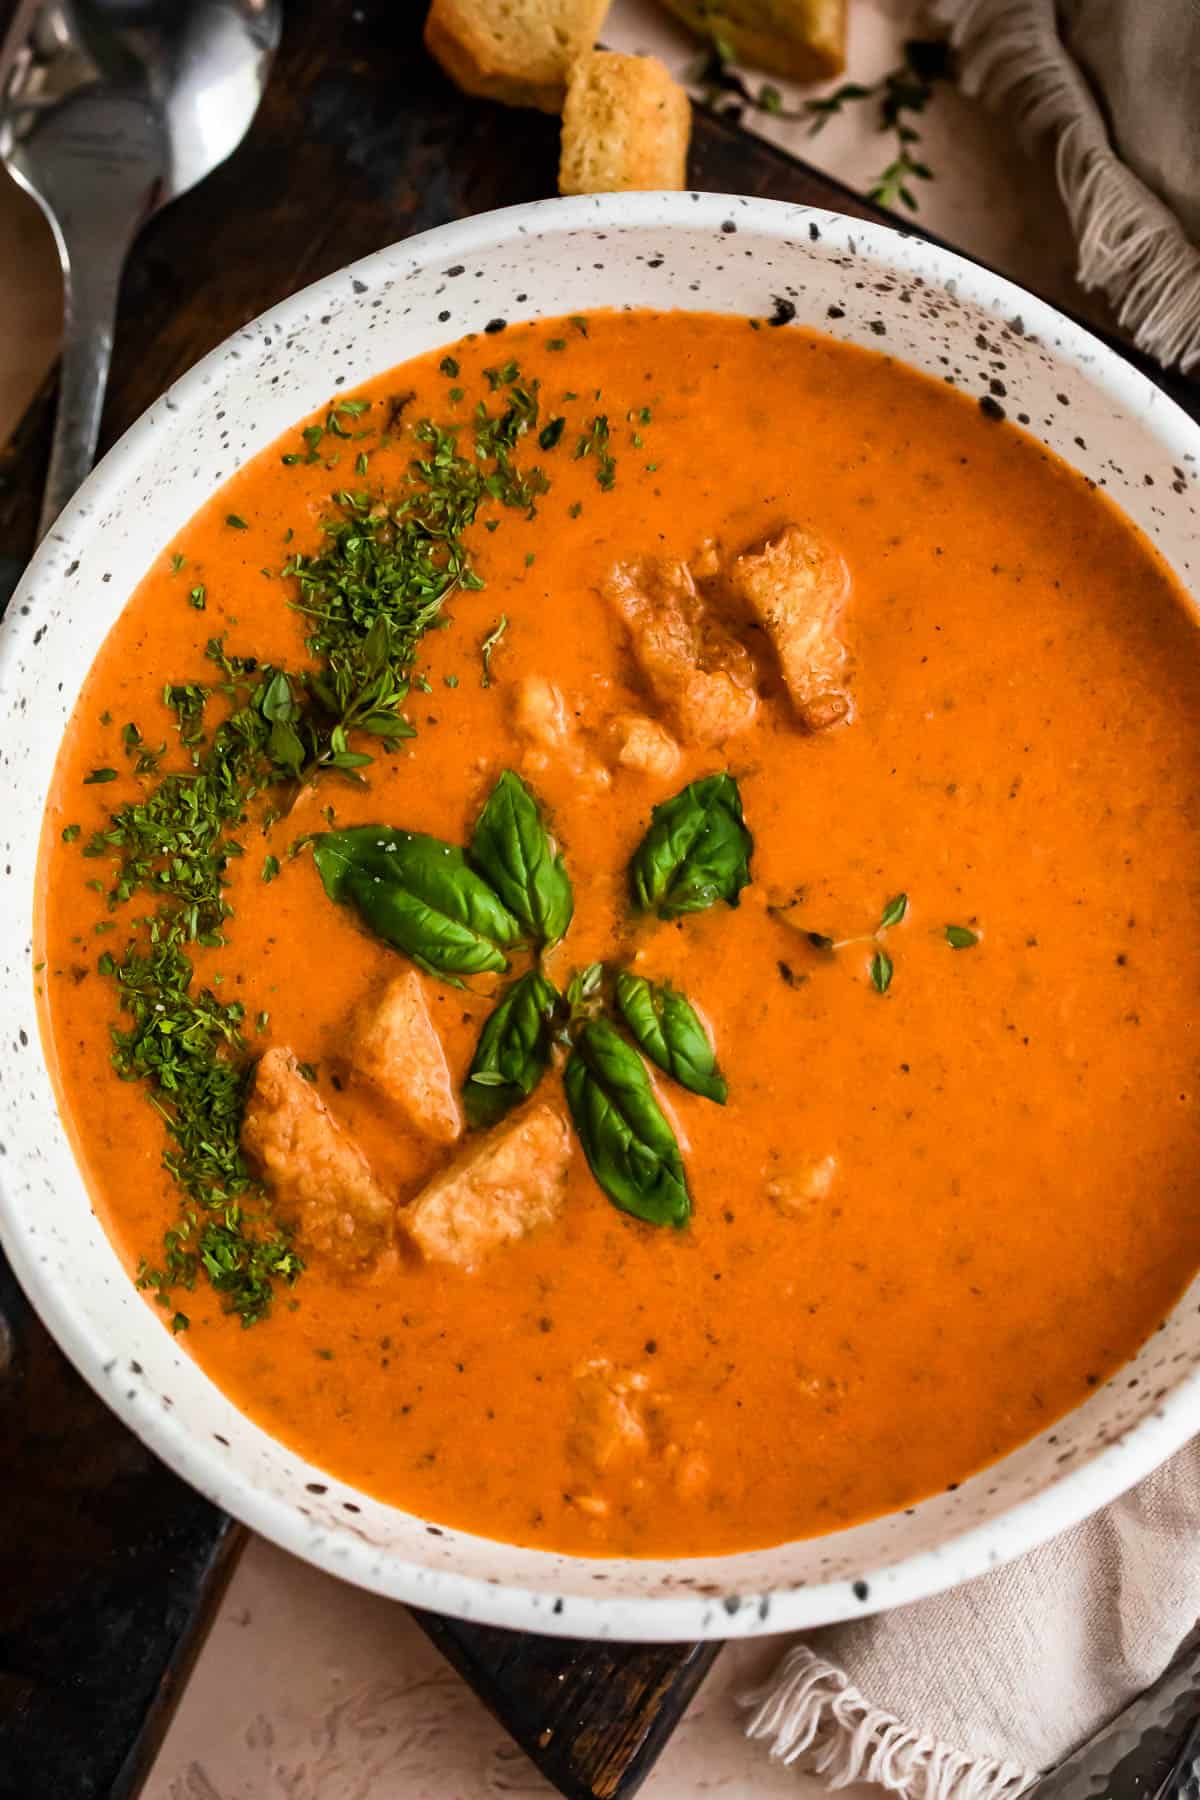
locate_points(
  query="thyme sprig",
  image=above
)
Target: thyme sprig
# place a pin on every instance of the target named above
(881, 968)
(901, 95)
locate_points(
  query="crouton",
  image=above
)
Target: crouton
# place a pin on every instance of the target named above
(541, 718)
(394, 1045)
(321, 1181)
(796, 586)
(802, 39)
(517, 51)
(621, 1430)
(609, 1427)
(706, 563)
(803, 1187)
(643, 745)
(626, 125)
(701, 677)
(501, 1187)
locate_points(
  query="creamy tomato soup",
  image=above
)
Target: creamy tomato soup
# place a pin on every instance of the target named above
(724, 1067)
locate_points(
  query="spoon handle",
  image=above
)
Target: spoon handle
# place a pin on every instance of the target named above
(95, 167)
(91, 280)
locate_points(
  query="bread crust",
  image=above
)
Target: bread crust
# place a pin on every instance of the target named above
(626, 126)
(804, 40)
(521, 62)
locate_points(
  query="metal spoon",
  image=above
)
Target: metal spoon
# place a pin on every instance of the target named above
(108, 110)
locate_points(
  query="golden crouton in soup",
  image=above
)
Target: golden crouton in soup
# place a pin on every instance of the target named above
(550, 733)
(394, 1045)
(642, 744)
(796, 587)
(321, 1180)
(503, 1186)
(699, 675)
(609, 1425)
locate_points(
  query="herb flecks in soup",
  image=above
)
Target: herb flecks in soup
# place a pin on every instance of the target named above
(642, 881)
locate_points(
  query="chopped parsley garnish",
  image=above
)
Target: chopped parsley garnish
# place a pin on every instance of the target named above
(185, 1045)
(506, 373)
(595, 443)
(247, 736)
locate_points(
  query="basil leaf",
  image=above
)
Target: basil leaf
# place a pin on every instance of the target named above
(513, 1050)
(584, 984)
(513, 850)
(630, 1147)
(419, 895)
(881, 971)
(696, 851)
(665, 1024)
(959, 937)
(893, 912)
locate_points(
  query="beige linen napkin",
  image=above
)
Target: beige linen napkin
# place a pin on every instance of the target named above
(973, 1694)
(1115, 86)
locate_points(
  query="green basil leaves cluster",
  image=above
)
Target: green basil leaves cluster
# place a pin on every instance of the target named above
(419, 895)
(627, 1139)
(666, 1026)
(511, 848)
(460, 912)
(696, 852)
(455, 912)
(513, 1049)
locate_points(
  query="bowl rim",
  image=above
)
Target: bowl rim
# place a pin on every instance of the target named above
(684, 1614)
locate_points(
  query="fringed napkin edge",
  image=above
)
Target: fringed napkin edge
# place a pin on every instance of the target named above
(814, 1715)
(1131, 246)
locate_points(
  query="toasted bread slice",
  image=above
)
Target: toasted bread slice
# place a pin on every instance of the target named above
(321, 1180)
(499, 1188)
(395, 1047)
(518, 51)
(796, 585)
(803, 39)
(626, 126)
(701, 677)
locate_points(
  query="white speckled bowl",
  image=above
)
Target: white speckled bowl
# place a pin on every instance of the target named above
(860, 283)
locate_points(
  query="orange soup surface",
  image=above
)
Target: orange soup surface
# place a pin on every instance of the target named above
(950, 1186)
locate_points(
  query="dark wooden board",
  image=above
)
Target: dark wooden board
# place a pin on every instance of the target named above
(110, 1567)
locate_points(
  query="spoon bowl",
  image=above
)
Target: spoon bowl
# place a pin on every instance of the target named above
(109, 110)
